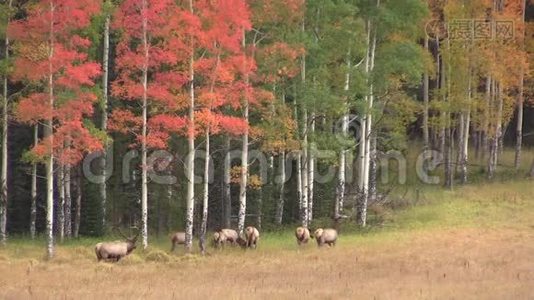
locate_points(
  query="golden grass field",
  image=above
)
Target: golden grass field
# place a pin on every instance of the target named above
(474, 243)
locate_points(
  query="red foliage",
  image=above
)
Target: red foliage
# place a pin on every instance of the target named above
(168, 28)
(54, 25)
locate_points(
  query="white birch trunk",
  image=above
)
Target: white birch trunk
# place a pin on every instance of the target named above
(190, 169)
(3, 175)
(244, 160)
(304, 158)
(279, 215)
(361, 213)
(104, 122)
(372, 170)
(205, 198)
(311, 174)
(304, 173)
(341, 186)
(299, 161)
(244, 176)
(496, 99)
(464, 158)
(367, 130)
(48, 134)
(144, 175)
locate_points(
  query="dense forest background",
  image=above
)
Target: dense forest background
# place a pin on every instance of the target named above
(293, 87)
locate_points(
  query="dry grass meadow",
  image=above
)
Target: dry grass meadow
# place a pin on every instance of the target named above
(473, 243)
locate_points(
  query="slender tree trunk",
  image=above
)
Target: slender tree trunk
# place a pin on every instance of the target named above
(60, 184)
(144, 175)
(519, 127)
(486, 122)
(191, 148)
(205, 198)
(465, 134)
(304, 212)
(367, 161)
(279, 215)
(48, 134)
(244, 158)
(78, 211)
(311, 173)
(68, 202)
(499, 130)
(244, 176)
(104, 121)
(373, 170)
(299, 160)
(168, 217)
(504, 129)
(259, 212)
(299, 177)
(494, 145)
(271, 181)
(227, 205)
(3, 175)
(426, 136)
(50, 181)
(362, 197)
(280, 204)
(33, 205)
(449, 133)
(367, 128)
(520, 100)
(341, 185)
(448, 152)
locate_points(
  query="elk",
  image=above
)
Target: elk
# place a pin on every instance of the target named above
(178, 238)
(114, 251)
(303, 235)
(326, 236)
(252, 236)
(225, 235)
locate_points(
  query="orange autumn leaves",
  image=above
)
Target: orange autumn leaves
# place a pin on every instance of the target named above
(52, 56)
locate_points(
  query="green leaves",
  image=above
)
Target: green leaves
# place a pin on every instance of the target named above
(398, 62)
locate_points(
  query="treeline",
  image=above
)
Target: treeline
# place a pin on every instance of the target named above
(199, 114)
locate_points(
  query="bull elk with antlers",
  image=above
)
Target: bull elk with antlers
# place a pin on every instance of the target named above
(114, 251)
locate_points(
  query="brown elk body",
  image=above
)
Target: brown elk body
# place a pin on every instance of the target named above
(178, 238)
(114, 251)
(326, 236)
(225, 236)
(252, 236)
(303, 235)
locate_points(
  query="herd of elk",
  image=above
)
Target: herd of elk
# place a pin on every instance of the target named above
(114, 251)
